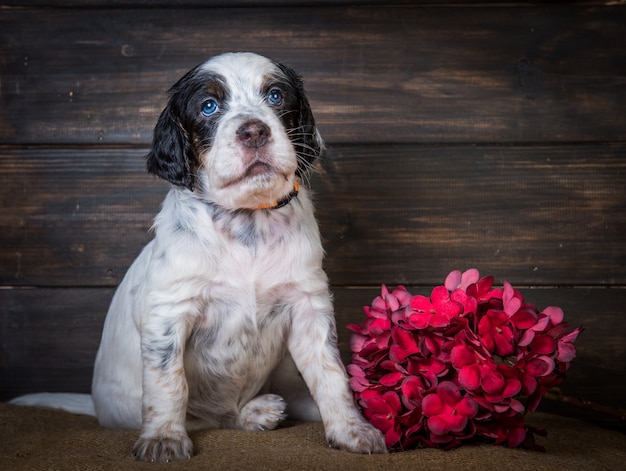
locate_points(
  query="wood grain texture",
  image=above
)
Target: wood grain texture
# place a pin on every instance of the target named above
(539, 215)
(375, 74)
(50, 336)
(396, 214)
(74, 215)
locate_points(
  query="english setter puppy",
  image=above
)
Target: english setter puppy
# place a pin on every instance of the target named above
(225, 319)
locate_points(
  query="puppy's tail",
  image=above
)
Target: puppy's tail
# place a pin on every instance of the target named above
(70, 402)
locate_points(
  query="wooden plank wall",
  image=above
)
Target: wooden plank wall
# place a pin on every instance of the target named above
(459, 134)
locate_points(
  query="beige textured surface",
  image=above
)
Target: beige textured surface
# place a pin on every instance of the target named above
(35, 439)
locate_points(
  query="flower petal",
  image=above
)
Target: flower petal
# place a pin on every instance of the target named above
(392, 302)
(449, 392)
(357, 342)
(566, 352)
(432, 405)
(504, 342)
(355, 370)
(404, 339)
(378, 326)
(456, 422)
(517, 406)
(543, 345)
(524, 319)
(403, 296)
(381, 422)
(467, 407)
(529, 384)
(421, 303)
(555, 314)
(526, 338)
(453, 280)
(391, 379)
(392, 436)
(379, 308)
(358, 384)
(412, 388)
(542, 323)
(512, 387)
(439, 294)
(469, 277)
(462, 355)
(572, 336)
(439, 320)
(393, 400)
(437, 425)
(469, 303)
(540, 366)
(469, 377)
(419, 320)
(442, 303)
(491, 380)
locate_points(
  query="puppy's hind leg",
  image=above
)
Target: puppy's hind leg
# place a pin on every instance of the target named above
(264, 412)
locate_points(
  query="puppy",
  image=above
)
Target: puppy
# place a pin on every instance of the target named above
(225, 319)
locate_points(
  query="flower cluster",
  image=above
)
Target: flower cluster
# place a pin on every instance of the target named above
(455, 366)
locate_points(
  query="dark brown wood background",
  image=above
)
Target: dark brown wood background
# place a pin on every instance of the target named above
(459, 134)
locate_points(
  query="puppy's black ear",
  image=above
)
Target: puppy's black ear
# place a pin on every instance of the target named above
(170, 157)
(309, 144)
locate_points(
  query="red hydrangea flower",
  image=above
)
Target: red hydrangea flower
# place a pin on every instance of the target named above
(456, 366)
(448, 412)
(436, 311)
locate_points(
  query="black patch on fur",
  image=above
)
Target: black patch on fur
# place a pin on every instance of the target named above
(170, 157)
(298, 119)
(182, 132)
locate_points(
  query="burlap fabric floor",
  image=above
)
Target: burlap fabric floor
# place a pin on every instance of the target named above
(35, 439)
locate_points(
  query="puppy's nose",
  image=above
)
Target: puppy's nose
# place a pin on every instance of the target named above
(253, 134)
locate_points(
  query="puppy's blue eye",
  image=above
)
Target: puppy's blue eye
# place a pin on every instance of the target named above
(209, 107)
(275, 97)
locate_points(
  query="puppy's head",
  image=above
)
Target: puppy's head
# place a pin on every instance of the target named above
(238, 131)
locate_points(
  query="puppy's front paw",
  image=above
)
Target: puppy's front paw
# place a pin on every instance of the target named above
(263, 412)
(174, 447)
(357, 436)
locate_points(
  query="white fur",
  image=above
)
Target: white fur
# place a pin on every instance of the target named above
(219, 313)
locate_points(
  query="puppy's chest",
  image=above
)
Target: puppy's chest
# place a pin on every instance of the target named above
(240, 336)
(248, 270)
